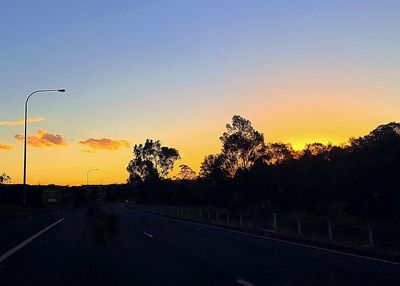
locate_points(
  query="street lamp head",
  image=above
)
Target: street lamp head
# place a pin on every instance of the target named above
(61, 90)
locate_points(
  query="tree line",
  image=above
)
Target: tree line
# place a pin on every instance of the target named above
(358, 178)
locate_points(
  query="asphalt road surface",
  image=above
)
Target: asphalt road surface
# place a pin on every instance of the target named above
(145, 249)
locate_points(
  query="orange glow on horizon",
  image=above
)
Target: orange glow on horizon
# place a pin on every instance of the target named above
(299, 115)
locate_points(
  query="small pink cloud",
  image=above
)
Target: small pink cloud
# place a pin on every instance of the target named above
(43, 139)
(5, 146)
(105, 144)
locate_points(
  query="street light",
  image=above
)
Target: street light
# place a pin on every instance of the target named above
(26, 131)
(87, 175)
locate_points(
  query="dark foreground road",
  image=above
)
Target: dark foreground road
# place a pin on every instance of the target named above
(149, 250)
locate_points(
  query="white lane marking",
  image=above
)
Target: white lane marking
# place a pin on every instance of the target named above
(148, 234)
(276, 239)
(243, 282)
(22, 244)
(268, 230)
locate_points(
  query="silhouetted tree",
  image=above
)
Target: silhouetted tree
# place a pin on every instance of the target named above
(385, 137)
(151, 161)
(4, 179)
(213, 168)
(316, 149)
(186, 173)
(242, 145)
(359, 178)
(276, 153)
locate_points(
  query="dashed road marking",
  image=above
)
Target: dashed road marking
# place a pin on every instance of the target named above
(148, 234)
(243, 282)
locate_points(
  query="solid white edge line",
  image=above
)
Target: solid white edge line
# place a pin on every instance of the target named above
(276, 239)
(243, 282)
(22, 244)
(148, 234)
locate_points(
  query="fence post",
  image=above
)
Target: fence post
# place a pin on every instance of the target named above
(330, 232)
(208, 214)
(370, 235)
(275, 225)
(217, 216)
(227, 217)
(240, 217)
(299, 230)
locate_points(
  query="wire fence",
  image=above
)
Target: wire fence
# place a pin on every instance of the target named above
(377, 235)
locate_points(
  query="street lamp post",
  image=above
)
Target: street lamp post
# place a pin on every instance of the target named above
(87, 175)
(26, 132)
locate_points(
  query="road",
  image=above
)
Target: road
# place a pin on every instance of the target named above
(151, 250)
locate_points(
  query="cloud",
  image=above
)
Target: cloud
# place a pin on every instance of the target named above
(5, 146)
(105, 144)
(88, 151)
(43, 139)
(20, 122)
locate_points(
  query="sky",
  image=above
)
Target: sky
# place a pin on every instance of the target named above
(301, 71)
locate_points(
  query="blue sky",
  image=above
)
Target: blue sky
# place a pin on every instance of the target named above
(166, 69)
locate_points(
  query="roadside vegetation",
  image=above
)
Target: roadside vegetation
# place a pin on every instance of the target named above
(358, 178)
(347, 195)
(5, 179)
(343, 193)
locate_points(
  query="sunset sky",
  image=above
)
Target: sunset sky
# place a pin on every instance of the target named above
(301, 71)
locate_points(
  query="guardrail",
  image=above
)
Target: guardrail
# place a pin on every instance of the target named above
(376, 235)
